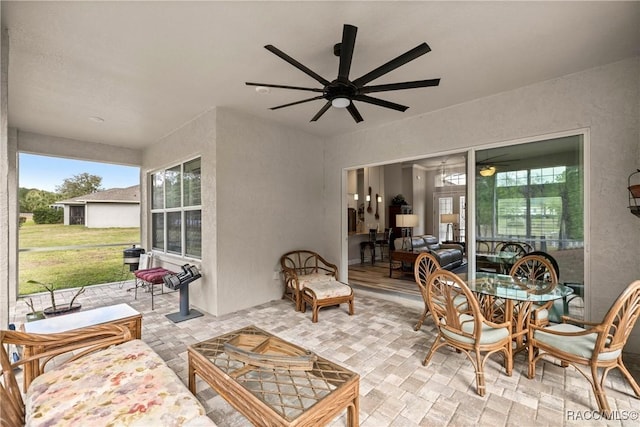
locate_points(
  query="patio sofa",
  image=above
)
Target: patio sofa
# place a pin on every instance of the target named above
(449, 255)
(109, 379)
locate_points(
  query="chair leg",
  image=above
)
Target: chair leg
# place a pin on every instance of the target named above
(627, 375)
(598, 390)
(479, 374)
(351, 308)
(314, 311)
(436, 345)
(532, 363)
(422, 318)
(508, 359)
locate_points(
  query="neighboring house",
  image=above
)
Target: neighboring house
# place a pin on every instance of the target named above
(116, 207)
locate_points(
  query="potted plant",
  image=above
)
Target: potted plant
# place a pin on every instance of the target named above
(33, 314)
(58, 309)
(398, 200)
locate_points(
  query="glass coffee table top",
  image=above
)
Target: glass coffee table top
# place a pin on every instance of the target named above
(289, 392)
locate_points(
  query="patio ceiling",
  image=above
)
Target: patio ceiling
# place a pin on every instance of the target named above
(147, 68)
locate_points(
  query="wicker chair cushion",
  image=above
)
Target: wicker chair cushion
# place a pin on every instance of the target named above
(582, 345)
(489, 335)
(124, 385)
(329, 289)
(306, 279)
(541, 314)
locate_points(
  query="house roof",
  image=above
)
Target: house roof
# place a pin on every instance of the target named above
(113, 195)
(147, 68)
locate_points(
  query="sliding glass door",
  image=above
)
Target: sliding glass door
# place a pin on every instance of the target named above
(533, 194)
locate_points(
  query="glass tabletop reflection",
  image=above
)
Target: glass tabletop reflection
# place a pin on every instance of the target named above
(506, 286)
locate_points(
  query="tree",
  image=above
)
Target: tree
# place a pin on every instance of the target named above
(79, 185)
(36, 199)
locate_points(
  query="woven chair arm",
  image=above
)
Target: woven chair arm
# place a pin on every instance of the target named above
(90, 339)
(506, 324)
(597, 329)
(573, 320)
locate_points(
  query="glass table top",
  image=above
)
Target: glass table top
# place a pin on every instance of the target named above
(505, 286)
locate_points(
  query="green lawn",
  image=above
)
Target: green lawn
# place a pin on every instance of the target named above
(72, 267)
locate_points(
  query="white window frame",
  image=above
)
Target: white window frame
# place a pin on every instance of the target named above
(182, 209)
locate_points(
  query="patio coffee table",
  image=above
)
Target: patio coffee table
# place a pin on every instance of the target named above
(258, 381)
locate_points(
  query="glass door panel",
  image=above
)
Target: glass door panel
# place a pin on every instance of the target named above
(533, 194)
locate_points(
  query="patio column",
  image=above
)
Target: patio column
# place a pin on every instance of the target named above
(4, 182)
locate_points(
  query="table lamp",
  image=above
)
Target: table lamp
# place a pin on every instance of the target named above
(449, 219)
(406, 222)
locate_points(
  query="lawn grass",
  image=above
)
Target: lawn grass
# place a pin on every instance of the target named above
(72, 268)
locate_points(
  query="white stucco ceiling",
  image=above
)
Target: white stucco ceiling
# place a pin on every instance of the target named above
(149, 67)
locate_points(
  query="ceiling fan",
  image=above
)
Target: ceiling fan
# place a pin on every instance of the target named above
(341, 92)
(487, 167)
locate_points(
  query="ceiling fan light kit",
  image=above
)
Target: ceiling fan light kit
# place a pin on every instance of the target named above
(341, 92)
(487, 170)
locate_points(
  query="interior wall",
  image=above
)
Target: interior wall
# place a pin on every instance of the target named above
(419, 199)
(270, 193)
(604, 99)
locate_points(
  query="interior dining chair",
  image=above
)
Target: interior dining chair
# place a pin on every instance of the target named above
(461, 325)
(516, 248)
(385, 242)
(425, 265)
(536, 267)
(596, 345)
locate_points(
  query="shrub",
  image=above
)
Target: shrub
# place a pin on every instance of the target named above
(48, 216)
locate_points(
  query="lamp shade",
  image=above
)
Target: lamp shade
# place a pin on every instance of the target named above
(449, 218)
(487, 170)
(407, 220)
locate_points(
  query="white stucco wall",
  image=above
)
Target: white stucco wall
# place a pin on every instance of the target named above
(270, 201)
(105, 215)
(605, 100)
(196, 138)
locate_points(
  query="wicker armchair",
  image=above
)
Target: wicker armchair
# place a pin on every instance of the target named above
(536, 267)
(311, 280)
(461, 325)
(302, 267)
(596, 345)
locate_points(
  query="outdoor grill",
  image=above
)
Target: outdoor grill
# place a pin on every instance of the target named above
(132, 257)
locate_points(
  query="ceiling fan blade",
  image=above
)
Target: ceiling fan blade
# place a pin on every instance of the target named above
(296, 64)
(400, 86)
(321, 112)
(311, 89)
(297, 102)
(380, 102)
(346, 51)
(393, 64)
(354, 113)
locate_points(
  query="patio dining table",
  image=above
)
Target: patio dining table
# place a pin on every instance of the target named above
(502, 297)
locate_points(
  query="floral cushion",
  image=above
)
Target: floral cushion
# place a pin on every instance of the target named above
(306, 279)
(124, 385)
(328, 289)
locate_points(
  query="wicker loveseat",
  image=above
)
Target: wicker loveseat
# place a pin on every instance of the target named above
(109, 379)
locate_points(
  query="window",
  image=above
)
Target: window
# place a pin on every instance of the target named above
(176, 211)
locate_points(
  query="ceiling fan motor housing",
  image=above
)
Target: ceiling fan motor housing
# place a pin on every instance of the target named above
(340, 89)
